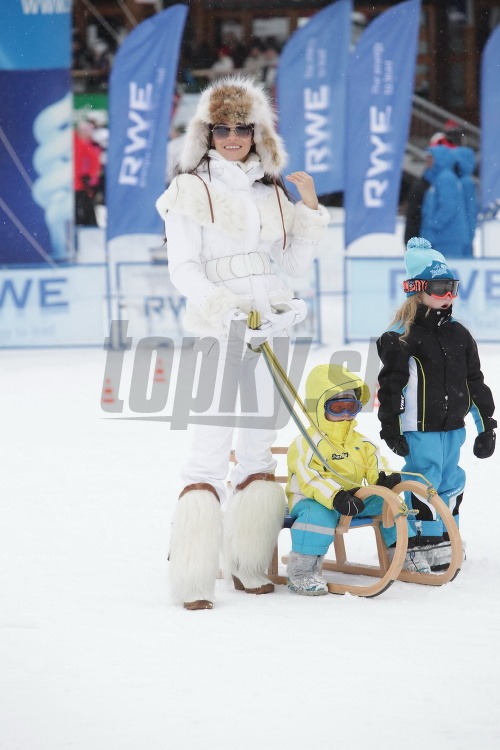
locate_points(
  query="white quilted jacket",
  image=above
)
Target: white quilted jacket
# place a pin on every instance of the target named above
(247, 219)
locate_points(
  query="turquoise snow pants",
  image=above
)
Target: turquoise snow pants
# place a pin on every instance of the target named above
(436, 456)
(314, 525)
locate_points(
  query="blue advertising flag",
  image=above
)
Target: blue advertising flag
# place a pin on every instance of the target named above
(36, 126)
(140, 103)
(490, 120)
(311, 82)
(35, 34)
(379, 98)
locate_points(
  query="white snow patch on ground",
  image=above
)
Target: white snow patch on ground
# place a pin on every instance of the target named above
(94, 657)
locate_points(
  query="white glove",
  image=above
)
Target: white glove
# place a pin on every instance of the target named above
(276, 322)
(270, 326)
(236, 319)
(234, 315)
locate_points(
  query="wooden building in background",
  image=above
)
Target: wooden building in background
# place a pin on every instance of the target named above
(452, 35)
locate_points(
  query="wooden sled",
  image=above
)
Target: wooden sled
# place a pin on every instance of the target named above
(387, 571)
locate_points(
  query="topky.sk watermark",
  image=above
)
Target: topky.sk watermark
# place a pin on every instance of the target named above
(211, 381)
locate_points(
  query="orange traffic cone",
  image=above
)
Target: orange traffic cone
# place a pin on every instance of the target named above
(108, 395)
(159, 375)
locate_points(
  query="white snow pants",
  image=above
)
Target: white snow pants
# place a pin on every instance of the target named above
(244, 399)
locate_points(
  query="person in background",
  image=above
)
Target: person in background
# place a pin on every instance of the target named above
(254, 63)
(87, 173)
(453, 134)
(223, 65)
(444, 222)
(430, 380)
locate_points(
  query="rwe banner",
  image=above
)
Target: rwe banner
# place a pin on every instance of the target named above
(311, 84)
(140, 103)
(490, 120)
(379, 95)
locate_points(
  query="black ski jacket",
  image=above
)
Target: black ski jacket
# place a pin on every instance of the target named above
(434, 375)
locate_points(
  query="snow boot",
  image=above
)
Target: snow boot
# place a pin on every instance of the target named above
(195, 547)
(415, 561)
(439, 555)
(304, 574)
(252, 521)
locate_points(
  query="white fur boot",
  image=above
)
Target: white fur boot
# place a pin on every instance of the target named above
(195, 547)
(252, 522)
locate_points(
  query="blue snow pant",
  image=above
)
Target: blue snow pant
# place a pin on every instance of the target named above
(314, 525)
(436, 456)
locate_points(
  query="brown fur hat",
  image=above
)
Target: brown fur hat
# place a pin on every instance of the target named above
(237, 99)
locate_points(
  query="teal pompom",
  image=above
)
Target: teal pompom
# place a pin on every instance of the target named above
(418, 243)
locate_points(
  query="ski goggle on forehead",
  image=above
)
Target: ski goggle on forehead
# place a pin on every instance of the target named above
(222, 131)
(343, 406)
(440, 288)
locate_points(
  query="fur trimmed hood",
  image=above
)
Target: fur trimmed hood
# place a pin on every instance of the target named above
(239, 99)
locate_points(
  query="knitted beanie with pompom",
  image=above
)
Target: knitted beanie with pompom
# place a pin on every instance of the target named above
(423, 262)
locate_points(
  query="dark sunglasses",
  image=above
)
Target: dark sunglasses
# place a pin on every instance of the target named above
(222, 131)
(433, 287)
(340, 406)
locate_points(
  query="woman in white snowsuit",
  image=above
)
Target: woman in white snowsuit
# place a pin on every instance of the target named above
(228, 225)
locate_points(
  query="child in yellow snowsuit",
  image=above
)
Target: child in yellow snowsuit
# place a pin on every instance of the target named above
(317, 497)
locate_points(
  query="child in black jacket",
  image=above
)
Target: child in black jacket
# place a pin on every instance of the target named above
(430, 379)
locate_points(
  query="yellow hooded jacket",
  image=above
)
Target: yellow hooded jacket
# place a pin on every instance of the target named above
(354, 458)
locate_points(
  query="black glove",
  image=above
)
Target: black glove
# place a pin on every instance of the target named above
(388, 480)
(484, 444)
(398, 444)
(346, 504)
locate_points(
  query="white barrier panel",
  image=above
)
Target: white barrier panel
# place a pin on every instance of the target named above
(374, 292)
(47, 307)
(148, 300)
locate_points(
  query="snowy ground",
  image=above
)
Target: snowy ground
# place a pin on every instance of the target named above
(94, 657)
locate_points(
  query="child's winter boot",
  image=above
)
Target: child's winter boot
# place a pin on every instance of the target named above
(415, 560)
(304, 574)
(439, 555)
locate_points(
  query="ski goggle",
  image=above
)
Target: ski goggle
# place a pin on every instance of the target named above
(222, 131)
(342, 406)
(440, 288)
